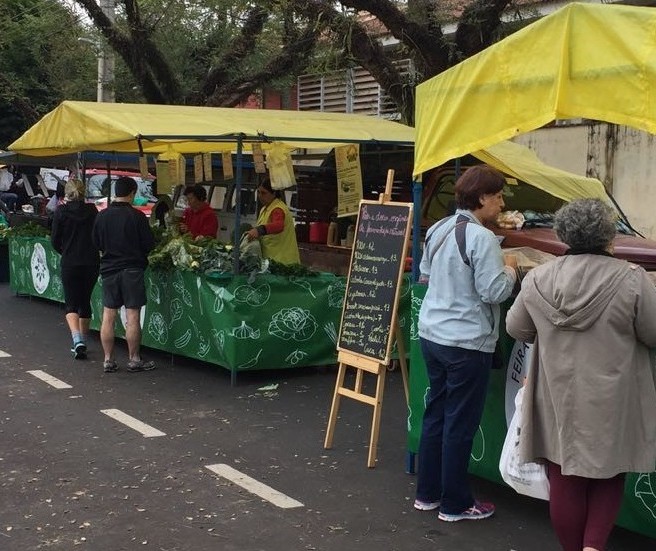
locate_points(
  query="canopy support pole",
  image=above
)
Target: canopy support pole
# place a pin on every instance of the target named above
(416, 229)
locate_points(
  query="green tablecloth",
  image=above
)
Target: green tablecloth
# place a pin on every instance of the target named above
(272, 322)
(638, 511)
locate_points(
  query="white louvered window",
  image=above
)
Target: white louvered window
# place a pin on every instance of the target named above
(348, 91)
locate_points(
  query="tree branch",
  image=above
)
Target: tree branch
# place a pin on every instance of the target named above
(240, 48)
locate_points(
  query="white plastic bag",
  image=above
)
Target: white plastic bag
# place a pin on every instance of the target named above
(529, 479)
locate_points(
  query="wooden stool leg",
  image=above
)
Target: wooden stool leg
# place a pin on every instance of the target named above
(334, 408)
(375, 425)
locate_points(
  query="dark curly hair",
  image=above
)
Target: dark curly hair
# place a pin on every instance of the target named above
(197, 191)
(477, 181)
(586, 224)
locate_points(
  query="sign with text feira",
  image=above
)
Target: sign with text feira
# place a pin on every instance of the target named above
(374, 280)
(349, 179)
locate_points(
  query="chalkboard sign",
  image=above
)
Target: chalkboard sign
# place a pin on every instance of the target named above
(374, 279)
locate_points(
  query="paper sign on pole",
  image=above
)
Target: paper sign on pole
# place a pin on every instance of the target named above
(258, 158)
(164, 182)
(226, 159)
(207, 166)
(198, 169)
(349, 179)
(143, 166)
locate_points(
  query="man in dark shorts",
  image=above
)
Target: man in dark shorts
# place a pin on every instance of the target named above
(123, 236)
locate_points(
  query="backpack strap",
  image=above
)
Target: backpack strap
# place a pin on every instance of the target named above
(439, 243)
(461, 237)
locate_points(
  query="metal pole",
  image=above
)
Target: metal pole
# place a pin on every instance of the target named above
(238, 178)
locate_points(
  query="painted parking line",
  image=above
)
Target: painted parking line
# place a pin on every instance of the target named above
(52, 381)
(4, 354)
(253, 486)
(135, 424)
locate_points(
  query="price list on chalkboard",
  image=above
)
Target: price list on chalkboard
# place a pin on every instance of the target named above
(374, 279)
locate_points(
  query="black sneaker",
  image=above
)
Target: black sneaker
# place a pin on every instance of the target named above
(79, 350)
(110, 366)
(139, 365)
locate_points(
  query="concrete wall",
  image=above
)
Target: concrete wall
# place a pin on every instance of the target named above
(623, 158)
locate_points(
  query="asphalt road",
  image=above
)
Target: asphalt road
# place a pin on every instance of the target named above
(74, 477)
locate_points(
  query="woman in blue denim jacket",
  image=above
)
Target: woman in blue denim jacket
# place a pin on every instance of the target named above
(467, 277)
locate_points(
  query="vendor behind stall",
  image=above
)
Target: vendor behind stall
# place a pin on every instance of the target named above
(199, 218)
(275, 227)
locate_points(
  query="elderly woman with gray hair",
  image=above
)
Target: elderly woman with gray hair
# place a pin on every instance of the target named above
(72, 226)
(589, 407)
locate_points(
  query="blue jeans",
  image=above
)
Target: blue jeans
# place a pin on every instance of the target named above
(458, 386)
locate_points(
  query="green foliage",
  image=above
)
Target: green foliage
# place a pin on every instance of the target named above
(31, 229)
(296, 270)
(41, 63)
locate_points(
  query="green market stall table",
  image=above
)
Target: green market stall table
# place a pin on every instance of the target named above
(638, 511)
(272, 322)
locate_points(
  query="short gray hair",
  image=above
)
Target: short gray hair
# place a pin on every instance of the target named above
(586, 224)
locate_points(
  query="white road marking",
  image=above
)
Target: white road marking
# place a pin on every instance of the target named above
(4, 354)
(253, 486)
(52, 381)
(135, 424)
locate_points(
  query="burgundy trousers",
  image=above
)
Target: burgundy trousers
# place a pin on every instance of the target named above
(583, 510)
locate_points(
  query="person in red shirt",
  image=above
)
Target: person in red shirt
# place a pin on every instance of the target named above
(198, 219)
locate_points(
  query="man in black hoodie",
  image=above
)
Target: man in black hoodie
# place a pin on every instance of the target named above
(123, 236)
(71, 237)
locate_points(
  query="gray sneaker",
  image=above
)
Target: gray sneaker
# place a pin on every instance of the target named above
(110, 366)
(139, 365)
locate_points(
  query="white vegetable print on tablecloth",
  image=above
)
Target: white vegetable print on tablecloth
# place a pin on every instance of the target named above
(245, 331)
(645, 491)
(178, 285)
(219, 298)
(414, 308)
(478, 446)
(183, 340)
(203, 343)
(153, 291)
(57, 286)
(252, 362)
(304, 283)
(157, 328)
(253, 295)
(293, 324)
(336, 292)
(40, 271)
(219, 339)
(176, 310)
(296, 356)
(331, 331)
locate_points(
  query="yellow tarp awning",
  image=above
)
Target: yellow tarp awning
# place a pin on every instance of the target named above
(88, 126)
(585, 60)
(520, 162)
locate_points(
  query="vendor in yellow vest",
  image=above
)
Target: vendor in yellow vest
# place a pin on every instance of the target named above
(275, 227)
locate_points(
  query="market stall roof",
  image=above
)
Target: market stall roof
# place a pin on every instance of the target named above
(585, 60)
(522, 163)
(89, 126)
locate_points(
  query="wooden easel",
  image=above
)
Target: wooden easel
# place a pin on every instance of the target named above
(362, 365)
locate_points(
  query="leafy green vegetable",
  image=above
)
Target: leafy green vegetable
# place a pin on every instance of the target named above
(30, 229)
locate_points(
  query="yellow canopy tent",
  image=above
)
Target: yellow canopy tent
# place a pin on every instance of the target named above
(520, 162)
(584, 60)
(76, 126)
(121, 127)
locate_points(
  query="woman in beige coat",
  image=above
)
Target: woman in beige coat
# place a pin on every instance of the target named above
(590, 401)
